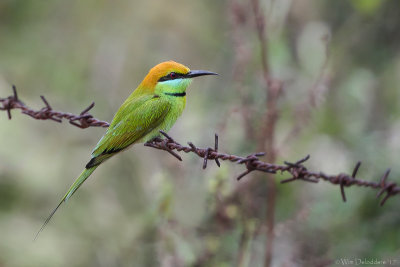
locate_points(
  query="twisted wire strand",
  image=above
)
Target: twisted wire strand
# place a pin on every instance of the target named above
(297, 170)
(83, 120)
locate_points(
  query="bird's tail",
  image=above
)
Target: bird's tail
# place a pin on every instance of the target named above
(78, 182)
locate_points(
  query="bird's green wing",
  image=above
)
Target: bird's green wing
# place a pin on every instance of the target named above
(134, 120)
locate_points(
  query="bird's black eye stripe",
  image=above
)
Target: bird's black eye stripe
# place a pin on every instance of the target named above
(171, 76)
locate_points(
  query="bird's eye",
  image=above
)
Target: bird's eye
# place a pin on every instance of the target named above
(172, 75)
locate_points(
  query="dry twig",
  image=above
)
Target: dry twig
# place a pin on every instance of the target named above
(267, 134)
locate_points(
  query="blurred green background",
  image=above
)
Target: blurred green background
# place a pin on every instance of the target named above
(339, 62)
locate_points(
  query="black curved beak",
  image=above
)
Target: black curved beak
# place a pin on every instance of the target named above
(197, 73)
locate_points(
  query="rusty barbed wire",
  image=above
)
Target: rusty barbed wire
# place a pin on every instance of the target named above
(83, 120)
(252, 162)
(297, 170)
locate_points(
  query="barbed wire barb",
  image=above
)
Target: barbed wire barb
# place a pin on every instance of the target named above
(297, 170)
(252, 162)
(85, 119)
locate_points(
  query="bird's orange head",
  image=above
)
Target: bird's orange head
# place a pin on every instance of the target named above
(170, 74)
(162, 70)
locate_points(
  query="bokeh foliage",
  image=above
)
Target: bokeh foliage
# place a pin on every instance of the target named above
(143, 208)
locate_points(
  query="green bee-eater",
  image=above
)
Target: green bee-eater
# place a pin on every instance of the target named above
(155, 105)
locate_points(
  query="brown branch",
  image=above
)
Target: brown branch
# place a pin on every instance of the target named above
(252, 162)
(242, 58)
(83, 120)
(267, 135)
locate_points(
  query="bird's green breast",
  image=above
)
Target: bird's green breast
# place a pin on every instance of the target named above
(177, 105)
(174, 92)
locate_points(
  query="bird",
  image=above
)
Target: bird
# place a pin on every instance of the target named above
(154, 105)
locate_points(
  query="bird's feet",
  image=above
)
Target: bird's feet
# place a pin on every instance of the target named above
(164, 144)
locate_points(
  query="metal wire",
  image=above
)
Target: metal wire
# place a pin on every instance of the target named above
(297, 170)
(83, 120)
(252, 162)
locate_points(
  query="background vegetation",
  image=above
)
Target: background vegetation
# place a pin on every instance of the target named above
(338, 63)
